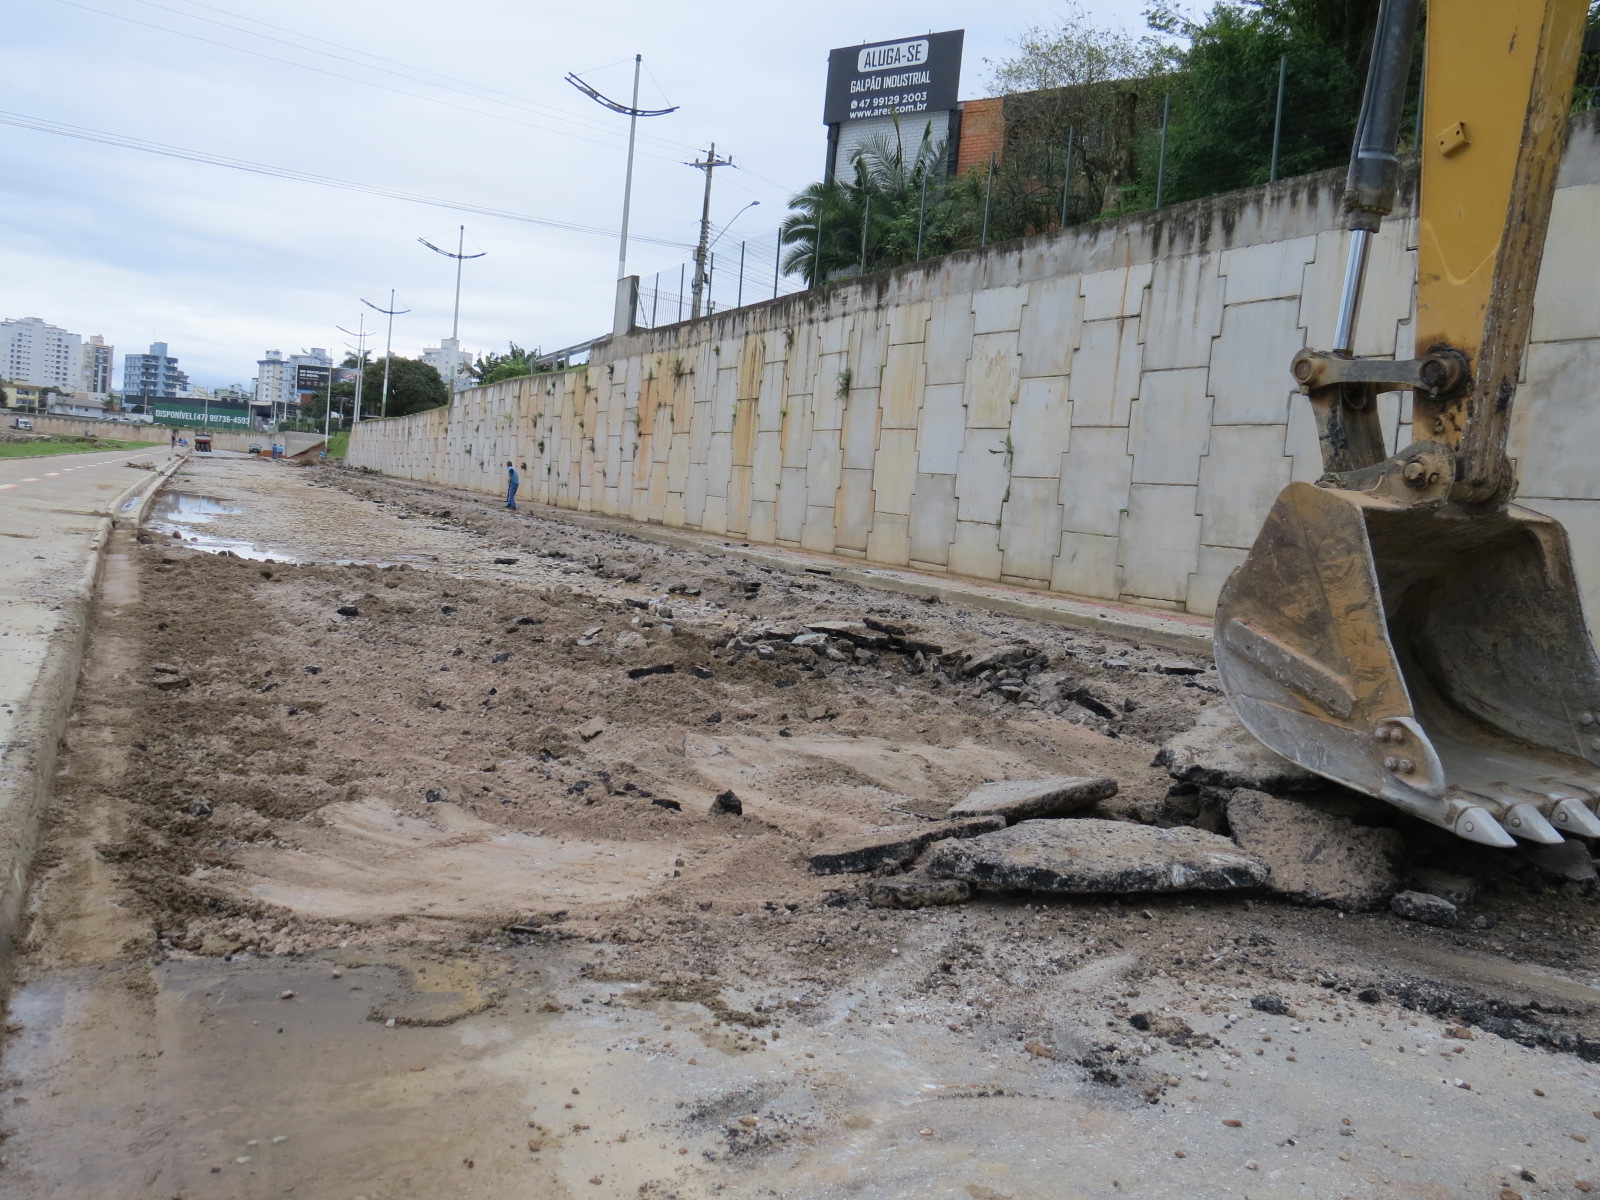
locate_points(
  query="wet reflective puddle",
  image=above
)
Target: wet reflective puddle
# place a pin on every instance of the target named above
(181, 512)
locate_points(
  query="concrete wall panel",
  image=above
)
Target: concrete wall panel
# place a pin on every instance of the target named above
(1104, 410)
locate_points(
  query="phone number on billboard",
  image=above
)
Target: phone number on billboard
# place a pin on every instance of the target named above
(904, 102)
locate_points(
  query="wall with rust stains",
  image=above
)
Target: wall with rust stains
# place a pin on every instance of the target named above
(1104, 411)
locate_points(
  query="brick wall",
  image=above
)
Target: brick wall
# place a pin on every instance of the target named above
(983, 132)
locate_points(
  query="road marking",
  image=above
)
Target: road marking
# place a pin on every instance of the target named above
(6, 486)
(34, 479)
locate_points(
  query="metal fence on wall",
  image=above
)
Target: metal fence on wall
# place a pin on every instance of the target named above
(1289, 123)
(738, 272)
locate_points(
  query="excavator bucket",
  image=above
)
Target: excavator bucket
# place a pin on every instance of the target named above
(1435, 656)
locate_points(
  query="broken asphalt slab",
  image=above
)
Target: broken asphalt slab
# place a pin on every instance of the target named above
(1088, 855)
(1220, 752)
(896, 845)
(1024, 799)
(1315, 857)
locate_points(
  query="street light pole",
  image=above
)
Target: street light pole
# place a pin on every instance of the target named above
(627, 177)
(388, 346)
(633, 112)
(360, 334)
(455, 321)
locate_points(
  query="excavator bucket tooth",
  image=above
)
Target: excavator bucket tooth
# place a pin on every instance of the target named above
(1572, 817)
(1434, 656)
(1525, 821)
(1477, 825)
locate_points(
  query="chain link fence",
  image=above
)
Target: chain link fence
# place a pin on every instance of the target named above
(738, 272)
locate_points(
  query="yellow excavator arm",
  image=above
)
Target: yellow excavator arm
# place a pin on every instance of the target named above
(1401, 627)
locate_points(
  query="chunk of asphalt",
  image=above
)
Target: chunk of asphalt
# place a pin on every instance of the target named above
(1430, 910)
(1024, 799)
(1221, 752)
(1315, 857)
(1460, 890)
(896, 845)
(658, 669)
(856, 632)
(1090, 856)
(917, 891)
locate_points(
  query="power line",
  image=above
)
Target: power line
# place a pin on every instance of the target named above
(41, 125)
(338, 75)
(409, 70)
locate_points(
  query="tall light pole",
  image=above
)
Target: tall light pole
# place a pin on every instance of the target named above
(633, 112)
(455, 320)
(360, 334)
(388, 345)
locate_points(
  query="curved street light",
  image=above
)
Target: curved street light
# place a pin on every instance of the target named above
(633, 112)
(455, 320)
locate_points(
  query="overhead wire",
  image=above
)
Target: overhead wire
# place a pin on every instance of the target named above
(83, 133)
(619, 141)
(409, 70)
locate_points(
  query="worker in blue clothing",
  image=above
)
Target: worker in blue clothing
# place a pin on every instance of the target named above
(512, 480)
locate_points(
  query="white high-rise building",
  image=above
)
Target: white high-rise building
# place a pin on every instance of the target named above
(277, 377)
(448, 358)
(274, 381)
(35, 352)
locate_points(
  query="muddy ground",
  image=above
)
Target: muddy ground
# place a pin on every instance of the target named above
(381, 867)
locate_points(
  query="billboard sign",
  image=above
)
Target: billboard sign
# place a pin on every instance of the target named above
(311, 378)
(198, 412)
(903, 77)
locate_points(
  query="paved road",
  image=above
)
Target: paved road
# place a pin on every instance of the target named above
(49, 510)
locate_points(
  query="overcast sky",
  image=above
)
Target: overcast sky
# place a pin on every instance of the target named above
(224, 265)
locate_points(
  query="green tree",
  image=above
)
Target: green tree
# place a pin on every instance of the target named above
(872, 216)
(492, 368)
(414, 387)
(1224, 102)
(1100, 87)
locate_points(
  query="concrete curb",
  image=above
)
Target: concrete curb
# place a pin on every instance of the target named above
(29, 768)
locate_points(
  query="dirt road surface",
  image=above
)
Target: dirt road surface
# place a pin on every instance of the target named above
(373, 872)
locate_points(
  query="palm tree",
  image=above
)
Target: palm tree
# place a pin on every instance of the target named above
(873, 218)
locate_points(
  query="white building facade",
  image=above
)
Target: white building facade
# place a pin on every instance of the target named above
(449, 360)
(277, 377)
(44, 355)
(99, 364)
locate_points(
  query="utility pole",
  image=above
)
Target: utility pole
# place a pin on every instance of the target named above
(360, 334)
(455, 321)
(710, 163)
(388, 345)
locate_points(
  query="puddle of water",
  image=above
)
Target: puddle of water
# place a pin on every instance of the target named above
(180, 512)
(190, 508)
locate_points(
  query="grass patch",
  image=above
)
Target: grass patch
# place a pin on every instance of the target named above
(41, 449)
(339, 444)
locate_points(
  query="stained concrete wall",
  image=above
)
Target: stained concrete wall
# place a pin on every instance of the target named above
(1104, 411)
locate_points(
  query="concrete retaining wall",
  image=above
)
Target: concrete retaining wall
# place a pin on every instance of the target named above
(1104, 411)
(127, 431)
